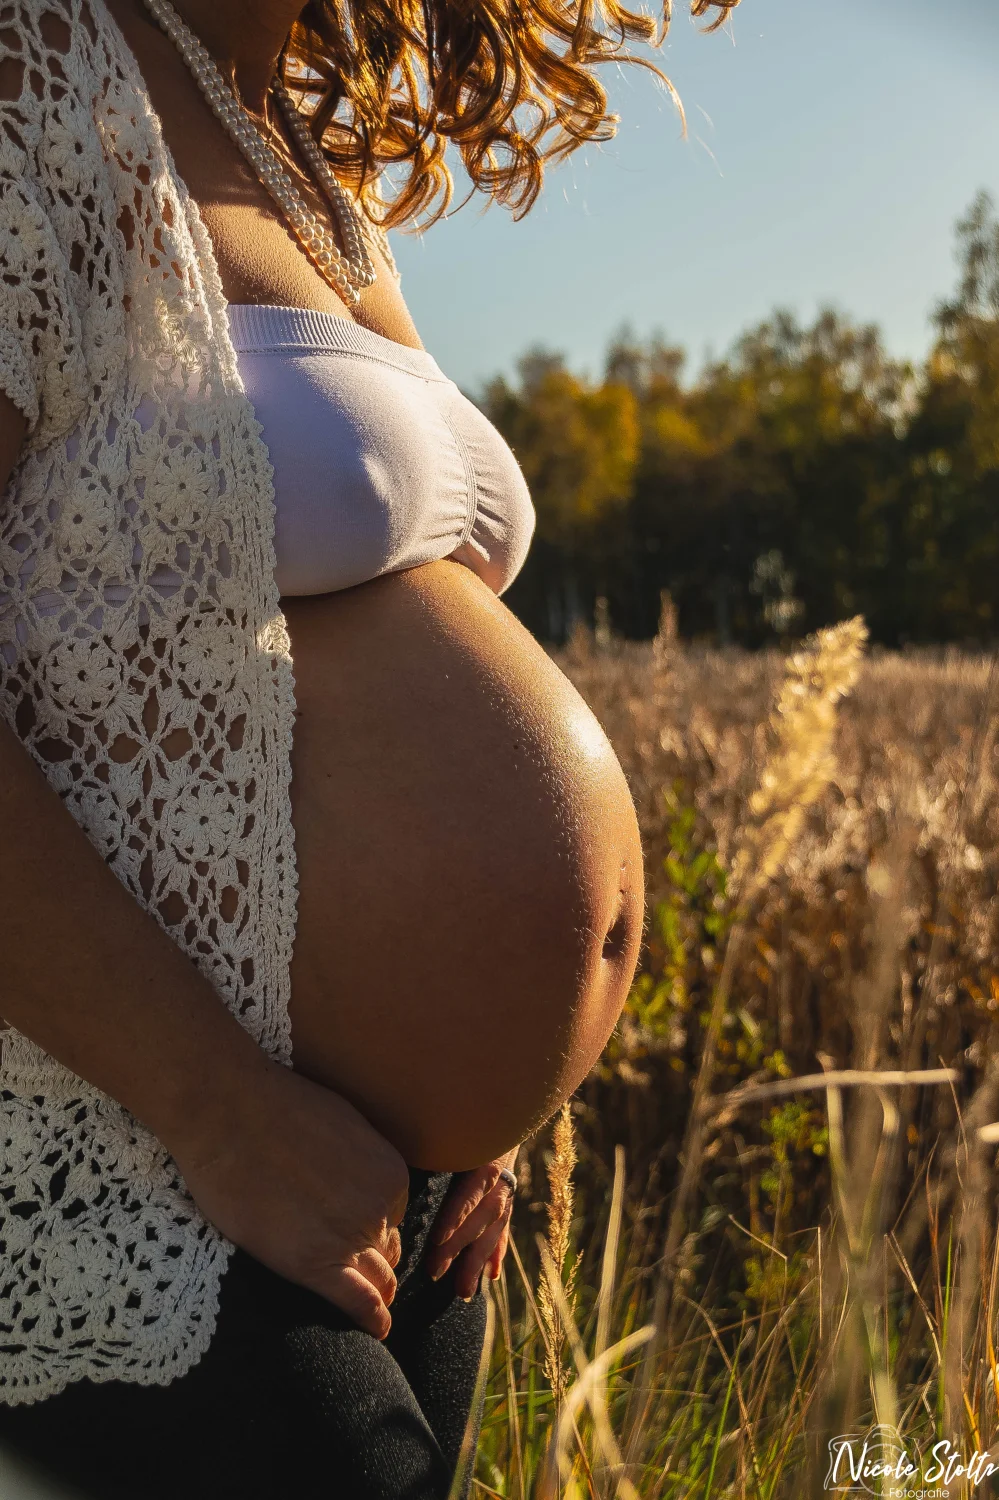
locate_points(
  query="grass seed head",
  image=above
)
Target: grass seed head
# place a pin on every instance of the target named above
(560, 1196)
(801, 762)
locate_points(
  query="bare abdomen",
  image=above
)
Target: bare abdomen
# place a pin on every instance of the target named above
(470, 882)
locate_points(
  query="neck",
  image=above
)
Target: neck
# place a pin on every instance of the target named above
(245, 37)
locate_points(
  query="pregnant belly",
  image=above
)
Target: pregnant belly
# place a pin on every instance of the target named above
(470, 874)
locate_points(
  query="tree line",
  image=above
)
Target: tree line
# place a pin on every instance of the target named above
(805, 477)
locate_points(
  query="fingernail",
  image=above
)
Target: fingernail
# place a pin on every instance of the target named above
(436, 1275)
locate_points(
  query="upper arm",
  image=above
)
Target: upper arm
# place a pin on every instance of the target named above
(44, 160)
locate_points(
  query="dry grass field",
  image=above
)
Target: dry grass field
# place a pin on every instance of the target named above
(780, 1226)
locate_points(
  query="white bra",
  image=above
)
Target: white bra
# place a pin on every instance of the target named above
(380, 462)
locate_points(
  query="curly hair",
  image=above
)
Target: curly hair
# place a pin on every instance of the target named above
(390, 83)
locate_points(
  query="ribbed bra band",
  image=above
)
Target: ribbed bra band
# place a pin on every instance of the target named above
(380, 463)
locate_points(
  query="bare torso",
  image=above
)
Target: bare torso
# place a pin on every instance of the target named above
(470, 875)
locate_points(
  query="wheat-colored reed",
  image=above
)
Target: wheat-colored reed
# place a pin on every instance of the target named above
(838, 1259)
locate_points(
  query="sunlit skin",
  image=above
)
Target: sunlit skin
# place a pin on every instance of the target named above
(470, 875)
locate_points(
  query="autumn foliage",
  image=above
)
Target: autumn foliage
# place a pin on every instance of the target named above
(802, 479)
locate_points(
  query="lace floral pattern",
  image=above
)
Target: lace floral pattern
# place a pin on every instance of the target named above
(144, 663)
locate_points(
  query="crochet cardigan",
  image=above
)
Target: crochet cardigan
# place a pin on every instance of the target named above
(143, 461)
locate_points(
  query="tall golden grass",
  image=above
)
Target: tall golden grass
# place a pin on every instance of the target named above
(781, 1224)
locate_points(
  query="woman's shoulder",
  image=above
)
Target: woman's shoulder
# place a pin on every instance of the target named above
(57, 211)
(47, 37)
(51, 62)
(74, 113)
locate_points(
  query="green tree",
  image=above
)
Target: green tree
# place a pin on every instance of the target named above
(804, 477)
(946, 512)
(578, 445)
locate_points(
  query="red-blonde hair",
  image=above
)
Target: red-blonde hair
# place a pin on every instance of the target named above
(510, 83)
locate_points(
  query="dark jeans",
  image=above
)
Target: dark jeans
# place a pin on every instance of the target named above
(291, 1401)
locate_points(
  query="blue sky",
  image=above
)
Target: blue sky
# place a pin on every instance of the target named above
(831, 146)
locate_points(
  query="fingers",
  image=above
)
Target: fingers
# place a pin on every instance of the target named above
(392, 1247)
(495, 1263)
(466, 1194)
(376, 1269)
(478, 1256)
(362, 1290)
(355, 1295)
(493, 1209)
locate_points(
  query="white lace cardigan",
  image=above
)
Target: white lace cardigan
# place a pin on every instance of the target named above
(143, 461)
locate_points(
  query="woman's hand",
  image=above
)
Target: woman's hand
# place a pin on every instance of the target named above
(295, 1176)
(473, 1226)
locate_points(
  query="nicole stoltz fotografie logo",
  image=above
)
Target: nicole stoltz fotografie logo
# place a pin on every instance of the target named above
(880, 1462)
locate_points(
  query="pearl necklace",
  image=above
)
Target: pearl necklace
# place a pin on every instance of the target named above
(347, 275)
